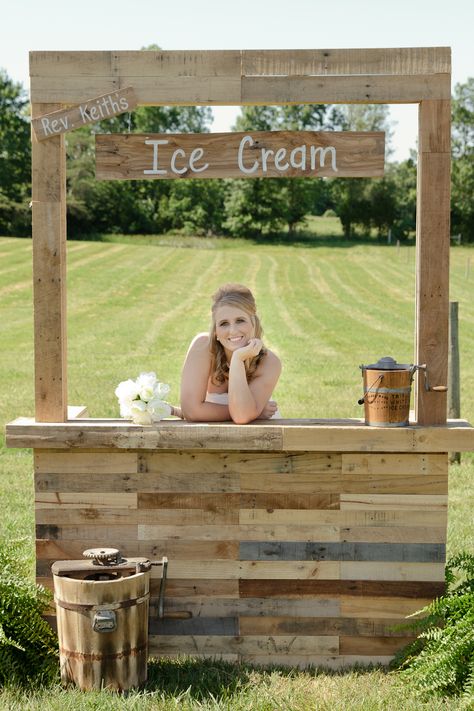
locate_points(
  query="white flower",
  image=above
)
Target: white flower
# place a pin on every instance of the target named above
(146, 383)
(142, 399)
(159, 409)
(126, 392)
(140, 413)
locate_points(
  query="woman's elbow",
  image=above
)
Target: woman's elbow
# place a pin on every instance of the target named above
(243, 418)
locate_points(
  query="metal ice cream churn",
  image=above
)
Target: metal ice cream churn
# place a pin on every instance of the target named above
(387, 390)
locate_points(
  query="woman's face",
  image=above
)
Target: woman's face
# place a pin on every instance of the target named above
(234, 327)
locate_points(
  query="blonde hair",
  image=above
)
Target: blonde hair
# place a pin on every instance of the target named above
(242, 298)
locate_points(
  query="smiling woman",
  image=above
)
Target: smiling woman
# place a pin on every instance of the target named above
(228, 374)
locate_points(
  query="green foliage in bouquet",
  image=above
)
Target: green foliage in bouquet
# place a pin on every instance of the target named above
(28, 645)
(440, 662)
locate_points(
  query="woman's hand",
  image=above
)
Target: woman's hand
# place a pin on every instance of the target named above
(268, 411)
(252, 349)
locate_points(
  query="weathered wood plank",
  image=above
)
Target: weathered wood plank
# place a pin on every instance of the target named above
(370, 517)
(394, 534)
(91, 111)
(93, 531)
(256, 154)
(372, 645)
(254, 644)
(175, 90)
(409, 552)
(243, 570)
(394, 474)
(205, 606)
(95, 515)
(390, 60)
(49, 274)
(195, 626)
(244, 533)
(294, 436)
(327, 588)
(90, 463)
(242, 462)
(302, 502)
(151, 63)
(72, 482)
(394, 502)
(432, 273)
(392, 571)
(206, 502)
(375, 607)
(369, 88)
(183, 588)
(298, 62)
(58, 500)
(310, 626)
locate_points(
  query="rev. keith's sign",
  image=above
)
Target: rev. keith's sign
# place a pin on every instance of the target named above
(270, 154)
(90, 111)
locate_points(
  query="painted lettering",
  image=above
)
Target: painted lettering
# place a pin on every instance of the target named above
(94, 112)
(84, 115)
(196, 155)
(322, 156)
(266, 153)
(46, 127)
(243, 142)
(293, 157)
(155, 170)
(279, 156)
(178, 171)
(123, 103)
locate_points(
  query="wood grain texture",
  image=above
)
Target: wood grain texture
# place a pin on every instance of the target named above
(156, 63)
(293, 436)
(362, 545)
(254, 154)
(49, 273)
(345, 89)
(94, 110)
(432, 273)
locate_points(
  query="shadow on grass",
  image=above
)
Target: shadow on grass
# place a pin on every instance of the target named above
(204, 678)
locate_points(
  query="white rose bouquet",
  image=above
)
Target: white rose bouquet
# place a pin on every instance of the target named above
(142, 399)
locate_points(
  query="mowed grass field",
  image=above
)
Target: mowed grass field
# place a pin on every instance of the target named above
(134, 307)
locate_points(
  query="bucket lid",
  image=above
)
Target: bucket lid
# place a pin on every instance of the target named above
(386, 363)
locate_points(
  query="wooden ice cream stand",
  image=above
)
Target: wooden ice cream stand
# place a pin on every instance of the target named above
(295, 541)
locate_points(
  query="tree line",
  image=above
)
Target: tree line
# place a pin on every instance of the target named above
(240, 207)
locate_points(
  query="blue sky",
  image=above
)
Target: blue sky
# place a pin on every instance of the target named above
(243, 24)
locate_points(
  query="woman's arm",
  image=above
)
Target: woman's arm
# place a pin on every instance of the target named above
(247, 400)
(194, 380)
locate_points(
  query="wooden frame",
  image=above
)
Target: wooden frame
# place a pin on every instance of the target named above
(408, 75)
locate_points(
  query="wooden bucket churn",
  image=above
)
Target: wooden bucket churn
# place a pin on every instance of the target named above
(387, 390)
(102, 615)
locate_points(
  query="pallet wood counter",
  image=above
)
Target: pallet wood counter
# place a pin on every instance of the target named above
(299, 542)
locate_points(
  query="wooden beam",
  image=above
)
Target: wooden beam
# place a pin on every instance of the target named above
(287, 435)
(49, 274)
(236, 89)
(432, 273)
(290, 62)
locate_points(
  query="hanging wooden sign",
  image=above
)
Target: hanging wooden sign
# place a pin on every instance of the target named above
(90, 111)
(265, 154)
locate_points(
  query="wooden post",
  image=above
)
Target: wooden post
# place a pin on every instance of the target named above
(432, 275)
(49, 273)
(454, 391)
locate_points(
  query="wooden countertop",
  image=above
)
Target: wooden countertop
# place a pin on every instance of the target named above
(324, 435)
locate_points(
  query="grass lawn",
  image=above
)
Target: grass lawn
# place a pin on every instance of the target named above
(135, 306)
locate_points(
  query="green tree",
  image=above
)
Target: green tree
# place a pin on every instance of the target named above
(15, 158)
(462, 203)
(270, 203)
(364, 202)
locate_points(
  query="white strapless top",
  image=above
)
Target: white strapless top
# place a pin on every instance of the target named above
(223, 399)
